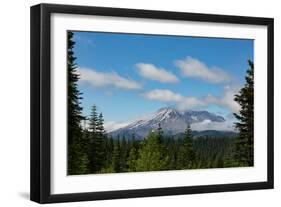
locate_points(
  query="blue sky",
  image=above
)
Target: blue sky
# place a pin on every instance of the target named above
(129, 75)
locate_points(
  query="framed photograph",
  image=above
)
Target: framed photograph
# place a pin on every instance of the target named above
(133, 103)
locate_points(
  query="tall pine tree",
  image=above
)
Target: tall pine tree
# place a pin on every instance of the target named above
(160, 134)
(123, 154)
(96, 148)
(116, 156)
(100, 128)
(109, 147)
(93, 119)
(186, 155)
(133, 155)
(77, 157)
(244, 152)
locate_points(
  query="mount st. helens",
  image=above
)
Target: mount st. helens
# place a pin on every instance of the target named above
(173, 122)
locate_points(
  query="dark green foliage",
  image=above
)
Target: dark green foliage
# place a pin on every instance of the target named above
(229, 160)
(132, 160)
(186, 155)
(96, 151)
(77, 160)
(244, 151)
(116, 156)
(100, 129)
(172, 147)
(133, 155)
(109, 148)
(74, 109)
(93, 119)
(160, 134)
(77, 157)
(213, 152)
(124, 154)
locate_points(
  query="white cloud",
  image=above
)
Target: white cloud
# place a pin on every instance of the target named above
(194, 68)
(227, 99)
(190, 102)
(112, 125)
(182, 102)
(151, 72)
(163, 95)
(100, 79)
(108, 126)
(209, 125)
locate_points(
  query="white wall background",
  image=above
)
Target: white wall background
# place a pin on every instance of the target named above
(14, 102)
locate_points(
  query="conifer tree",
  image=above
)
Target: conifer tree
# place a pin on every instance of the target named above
(101, 134)
(163, 146)
(244, 152)
(186, 155)
(123, 155)
(74, 109)
(100, 128)
(77, 157)
(172, 153)
(96, 149)
(133, 155)
(116, 156)
(160, 134)
(132, 160)
(77, 160)
(150, 156)
(109, 147)
(93, 120)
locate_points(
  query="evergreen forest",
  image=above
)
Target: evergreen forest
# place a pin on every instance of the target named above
(91, 150)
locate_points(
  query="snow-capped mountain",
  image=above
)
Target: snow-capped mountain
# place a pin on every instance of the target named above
(172, 122)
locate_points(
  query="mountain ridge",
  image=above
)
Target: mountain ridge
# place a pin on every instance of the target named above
(171, 120)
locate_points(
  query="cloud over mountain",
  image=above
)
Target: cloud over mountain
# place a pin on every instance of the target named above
(226, 100)
(183, 103)
(151, 72)
(163, 95)
(209, 125)
(193, 68)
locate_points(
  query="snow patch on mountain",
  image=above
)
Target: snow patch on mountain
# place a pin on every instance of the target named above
(173, 121)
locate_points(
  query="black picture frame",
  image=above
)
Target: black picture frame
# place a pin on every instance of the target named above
(41, 95)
